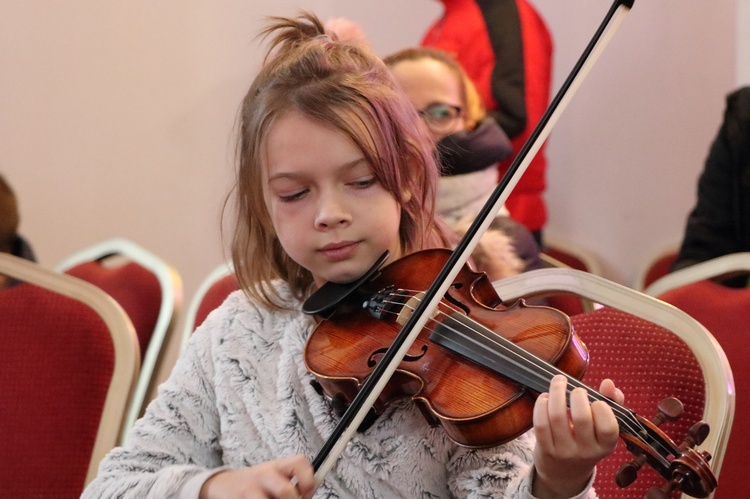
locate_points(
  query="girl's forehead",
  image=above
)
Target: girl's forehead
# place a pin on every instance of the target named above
(295, 135)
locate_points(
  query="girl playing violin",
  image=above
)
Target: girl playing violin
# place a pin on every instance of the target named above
(335, 167)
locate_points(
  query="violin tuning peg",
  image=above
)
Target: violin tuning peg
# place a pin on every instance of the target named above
(665, 491)
(670, 409)
(628, 472)
(697, 434)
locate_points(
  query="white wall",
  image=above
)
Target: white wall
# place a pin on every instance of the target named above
(116, 117)
(624, 159)
(743, 42)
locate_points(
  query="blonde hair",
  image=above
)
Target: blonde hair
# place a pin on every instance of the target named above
(344, 85)
(474, 111)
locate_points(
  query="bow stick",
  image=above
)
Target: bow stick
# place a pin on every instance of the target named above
(375, 383)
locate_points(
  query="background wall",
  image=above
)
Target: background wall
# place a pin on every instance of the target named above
(116, 117)
(625, 157)
(743, 42)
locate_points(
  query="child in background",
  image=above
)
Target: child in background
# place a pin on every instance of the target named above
(334, 168)
(470, 145)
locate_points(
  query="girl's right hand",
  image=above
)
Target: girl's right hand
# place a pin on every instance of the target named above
(287, 478)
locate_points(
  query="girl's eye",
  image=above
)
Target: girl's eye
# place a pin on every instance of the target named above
(288, 198)
(365, 182)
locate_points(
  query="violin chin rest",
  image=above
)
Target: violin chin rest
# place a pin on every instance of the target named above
(329, 295)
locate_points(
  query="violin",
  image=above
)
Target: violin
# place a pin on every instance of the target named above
(442, 373)
(478, 365)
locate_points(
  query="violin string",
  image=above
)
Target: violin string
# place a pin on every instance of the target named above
(628, 423)
(542, 366)
(625, 416)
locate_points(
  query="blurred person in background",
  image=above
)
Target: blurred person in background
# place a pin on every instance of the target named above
(719, 223)
(10, 241)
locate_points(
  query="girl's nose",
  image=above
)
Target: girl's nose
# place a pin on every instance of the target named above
(332, 212)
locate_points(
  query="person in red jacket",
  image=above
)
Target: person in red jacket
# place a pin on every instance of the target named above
(506, 49)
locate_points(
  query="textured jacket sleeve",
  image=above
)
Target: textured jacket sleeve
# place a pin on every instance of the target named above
(176, 439)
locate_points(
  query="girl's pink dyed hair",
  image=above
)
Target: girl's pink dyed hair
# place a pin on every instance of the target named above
(346, 86)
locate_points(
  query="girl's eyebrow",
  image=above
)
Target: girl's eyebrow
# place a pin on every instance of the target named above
(349, 165)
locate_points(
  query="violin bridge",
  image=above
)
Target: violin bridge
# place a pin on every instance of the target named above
(408, 308)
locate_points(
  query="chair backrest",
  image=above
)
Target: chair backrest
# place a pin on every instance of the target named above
(655, 268)
(572, 256)
(210, 294)
(69, 363)
(568, 304)
(720, 267)
(726, 313)
(652, 350)
(150, 291)
(559, 254)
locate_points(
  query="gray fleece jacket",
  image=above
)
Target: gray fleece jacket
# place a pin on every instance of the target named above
(240, 395)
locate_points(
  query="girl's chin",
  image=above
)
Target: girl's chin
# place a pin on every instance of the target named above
(344, 272)
(340, 277)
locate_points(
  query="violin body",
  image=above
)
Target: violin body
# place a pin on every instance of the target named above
(476, 406)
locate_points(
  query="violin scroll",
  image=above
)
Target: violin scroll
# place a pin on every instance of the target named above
(669, 409)
(683, 467)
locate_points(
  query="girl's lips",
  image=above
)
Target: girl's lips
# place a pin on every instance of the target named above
(339, 251)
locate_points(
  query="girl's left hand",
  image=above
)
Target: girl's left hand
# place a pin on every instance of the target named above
(571, 441)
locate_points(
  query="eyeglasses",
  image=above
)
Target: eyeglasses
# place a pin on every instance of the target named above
(441, 118)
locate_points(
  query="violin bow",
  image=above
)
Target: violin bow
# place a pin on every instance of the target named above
(381, 374)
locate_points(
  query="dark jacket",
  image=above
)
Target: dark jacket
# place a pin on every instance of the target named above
(720, 222)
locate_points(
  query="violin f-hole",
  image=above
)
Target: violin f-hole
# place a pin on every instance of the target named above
(455, 302)
(372, 361)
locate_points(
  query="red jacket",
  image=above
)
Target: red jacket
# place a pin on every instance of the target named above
(506, 49)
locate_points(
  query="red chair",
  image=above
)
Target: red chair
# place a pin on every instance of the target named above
(571, 256)
(649, 364)
(557, 254)
(69, 363)
(656, 268)
(568, 304)
(652, 350)
(150, 291)
(726, 313)
(210, 294)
